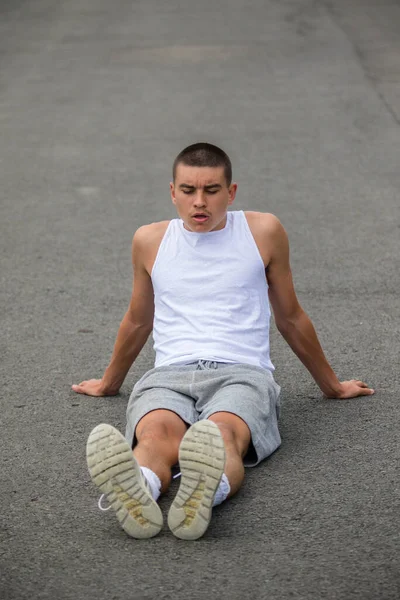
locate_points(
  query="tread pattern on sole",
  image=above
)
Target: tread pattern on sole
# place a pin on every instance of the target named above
(202, 461)
(115, 472)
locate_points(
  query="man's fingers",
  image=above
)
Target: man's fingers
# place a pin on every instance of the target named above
(363, 385)
(364, 390)
(356, 387)
(366, 387)
(92, 387)
(80, 388)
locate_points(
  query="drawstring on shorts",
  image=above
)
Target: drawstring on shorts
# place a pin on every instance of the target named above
(204, 365)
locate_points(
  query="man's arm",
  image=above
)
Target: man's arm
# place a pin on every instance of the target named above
(134, 329)
(294, 324)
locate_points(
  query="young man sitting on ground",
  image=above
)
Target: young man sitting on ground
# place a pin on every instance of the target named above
(203, 283)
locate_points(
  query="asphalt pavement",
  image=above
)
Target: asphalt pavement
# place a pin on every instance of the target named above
(96, 100)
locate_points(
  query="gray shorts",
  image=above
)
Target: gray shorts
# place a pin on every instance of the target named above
(198, 390)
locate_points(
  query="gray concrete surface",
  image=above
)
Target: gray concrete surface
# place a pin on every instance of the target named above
(96, 99)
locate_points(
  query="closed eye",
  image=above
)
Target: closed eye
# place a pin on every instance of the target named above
(187, 192)
(208, 190)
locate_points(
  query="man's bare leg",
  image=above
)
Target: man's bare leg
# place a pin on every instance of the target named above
(237, 437)
(159, 434)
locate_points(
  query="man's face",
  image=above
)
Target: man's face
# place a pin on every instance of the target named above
(202, 196)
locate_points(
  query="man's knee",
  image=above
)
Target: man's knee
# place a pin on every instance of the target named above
(235, 432)
(161, 427)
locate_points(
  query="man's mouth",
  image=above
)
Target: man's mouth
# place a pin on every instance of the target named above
(200, 217)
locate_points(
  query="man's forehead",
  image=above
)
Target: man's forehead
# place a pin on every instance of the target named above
(195, 176)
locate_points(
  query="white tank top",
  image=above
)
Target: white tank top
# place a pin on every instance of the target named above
(211, 296)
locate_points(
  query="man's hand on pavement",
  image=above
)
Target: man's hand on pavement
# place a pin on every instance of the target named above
(353, 388)
(93, 387)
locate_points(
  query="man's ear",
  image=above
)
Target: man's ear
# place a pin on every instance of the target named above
(172, 192)
(232, 193)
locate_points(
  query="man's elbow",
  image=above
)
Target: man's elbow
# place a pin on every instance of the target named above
(142, 324)
(287, 323)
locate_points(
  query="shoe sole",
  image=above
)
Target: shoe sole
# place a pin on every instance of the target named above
(116, 473)
(202, 462)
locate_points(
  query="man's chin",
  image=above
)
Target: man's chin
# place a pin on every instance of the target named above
(198, 226)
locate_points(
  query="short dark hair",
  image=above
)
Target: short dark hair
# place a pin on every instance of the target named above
(203, 154)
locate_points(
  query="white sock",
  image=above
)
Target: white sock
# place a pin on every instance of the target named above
(222, 491)
(153, 481)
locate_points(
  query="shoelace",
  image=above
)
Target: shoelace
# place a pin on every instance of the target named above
(100, 500)
(100, 505)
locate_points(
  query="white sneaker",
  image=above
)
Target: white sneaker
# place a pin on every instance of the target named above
(116, 473)
(202, 462)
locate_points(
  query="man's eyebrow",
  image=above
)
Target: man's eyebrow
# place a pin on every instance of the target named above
(206, 187)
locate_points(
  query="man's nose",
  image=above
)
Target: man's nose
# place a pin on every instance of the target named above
(200, 200)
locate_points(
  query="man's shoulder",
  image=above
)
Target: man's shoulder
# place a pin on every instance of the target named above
(262, 223)
(150, 234)
(268, 233)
